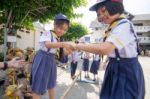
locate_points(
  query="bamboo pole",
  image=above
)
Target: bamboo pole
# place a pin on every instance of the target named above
(68, 90)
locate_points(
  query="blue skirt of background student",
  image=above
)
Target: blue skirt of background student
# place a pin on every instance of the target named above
(85, 64)
(95, 66)
(64, 59)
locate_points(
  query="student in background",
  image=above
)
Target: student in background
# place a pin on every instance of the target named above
(86, 56)
(74, 62)
(95, 66)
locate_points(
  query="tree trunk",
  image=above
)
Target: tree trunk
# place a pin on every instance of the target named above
(6, 31)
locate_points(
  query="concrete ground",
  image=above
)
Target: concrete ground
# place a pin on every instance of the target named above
(84, 90)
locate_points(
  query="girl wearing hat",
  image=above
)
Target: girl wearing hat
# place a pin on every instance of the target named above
(124, 76)
(43, 73)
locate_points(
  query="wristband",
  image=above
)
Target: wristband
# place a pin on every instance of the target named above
(5, 65)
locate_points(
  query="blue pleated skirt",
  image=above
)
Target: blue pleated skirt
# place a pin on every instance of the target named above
(123, 80)
(43, 73)
(95, 66)
(85, 64)
(64, 59)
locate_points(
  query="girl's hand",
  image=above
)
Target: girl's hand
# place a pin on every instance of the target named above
(69, 46)
(67, 51)
(73, 46)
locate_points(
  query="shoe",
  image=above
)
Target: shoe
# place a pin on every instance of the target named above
(73, 77)
(88, 76)
(94, 80)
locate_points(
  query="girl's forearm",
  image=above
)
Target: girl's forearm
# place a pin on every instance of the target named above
(54, 44)
(102, 48)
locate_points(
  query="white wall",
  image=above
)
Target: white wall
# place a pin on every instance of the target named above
(26, 40)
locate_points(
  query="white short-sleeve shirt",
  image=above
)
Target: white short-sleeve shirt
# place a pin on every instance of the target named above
(75, 56)
(124, 40)
(96, 57)
(47, 36)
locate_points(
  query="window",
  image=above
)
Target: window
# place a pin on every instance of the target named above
(138, 24)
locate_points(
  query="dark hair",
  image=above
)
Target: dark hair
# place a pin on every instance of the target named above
(112, 7)
(76, 42)
(60, 22)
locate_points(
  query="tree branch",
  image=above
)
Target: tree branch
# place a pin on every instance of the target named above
(24, 17)
(8, 18)
(40, 8)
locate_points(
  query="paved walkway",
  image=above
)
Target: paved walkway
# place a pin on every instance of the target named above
(81, 90)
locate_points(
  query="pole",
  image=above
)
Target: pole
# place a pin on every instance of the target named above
(5, 34)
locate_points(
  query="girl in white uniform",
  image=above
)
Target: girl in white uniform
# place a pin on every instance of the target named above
(124, 76)
(44, 71)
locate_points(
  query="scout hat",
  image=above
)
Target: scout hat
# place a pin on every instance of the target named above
(61, 16)
(94, 7)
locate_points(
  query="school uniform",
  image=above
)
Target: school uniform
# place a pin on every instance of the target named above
(95, 64)
(124, 76)
(74, 62)
(86, 62)
(64, 59)
(43, 75)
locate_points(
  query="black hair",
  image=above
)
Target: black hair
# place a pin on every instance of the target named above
(60, 22)
(76, 42)
(112, 7)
